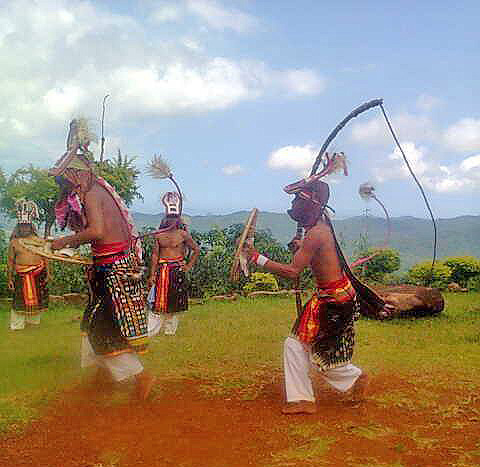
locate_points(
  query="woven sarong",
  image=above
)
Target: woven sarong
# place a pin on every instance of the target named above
(326, 323)
(170, 286)
(115, 320)
(31, 293)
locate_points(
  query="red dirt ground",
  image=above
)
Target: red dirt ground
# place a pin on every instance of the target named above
(186, 426)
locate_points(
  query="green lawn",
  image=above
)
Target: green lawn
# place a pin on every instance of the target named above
(230, 345)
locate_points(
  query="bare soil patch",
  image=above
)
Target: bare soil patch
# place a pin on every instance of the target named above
(402, 423)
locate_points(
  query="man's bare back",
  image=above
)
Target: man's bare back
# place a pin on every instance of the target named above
(105, 223)
(23, 257)
(114, 226)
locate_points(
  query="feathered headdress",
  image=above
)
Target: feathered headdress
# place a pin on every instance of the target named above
(77, 156)
(304, 187)
(159, 168)
(27, 211)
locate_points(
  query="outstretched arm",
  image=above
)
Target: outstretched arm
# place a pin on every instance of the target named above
(302, 258)
(153, 265)
(191, 244)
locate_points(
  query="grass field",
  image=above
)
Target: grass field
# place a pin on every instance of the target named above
(235, 348)
(231, 344)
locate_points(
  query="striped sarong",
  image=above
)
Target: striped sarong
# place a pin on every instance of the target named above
(326, 324)
(31, 293)
(170, 286)
(115, 320)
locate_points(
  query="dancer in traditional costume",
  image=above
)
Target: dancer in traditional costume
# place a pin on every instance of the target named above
(27, 272)
(167, 283)
(114, 323)
(323, 335)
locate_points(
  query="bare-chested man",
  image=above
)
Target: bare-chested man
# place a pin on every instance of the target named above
(167, 282)
(114, 323)
(27, 273)
(323, 335)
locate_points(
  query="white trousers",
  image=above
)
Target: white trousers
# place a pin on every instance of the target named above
(167, 321)
(121, 367)
(297, 365)
(18, 320)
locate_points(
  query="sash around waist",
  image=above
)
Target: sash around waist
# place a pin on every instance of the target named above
(110, 252)
(176, 259)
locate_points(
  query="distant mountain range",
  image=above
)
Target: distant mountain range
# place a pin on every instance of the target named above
(411, 236)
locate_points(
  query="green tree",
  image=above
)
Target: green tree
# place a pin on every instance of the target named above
(421, 274)
(463, 268)
(210, 275)
(33, 184)
(3, 264)
(384, 262)
(122, 174)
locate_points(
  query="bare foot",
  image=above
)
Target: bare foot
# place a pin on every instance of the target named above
(299, 407)
(145, 383)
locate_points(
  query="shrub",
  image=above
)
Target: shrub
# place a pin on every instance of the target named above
(473, 284)
(4, 292)
(421, 274)
(66, 278)
(261, 281)
(384, 262)
(463, 268)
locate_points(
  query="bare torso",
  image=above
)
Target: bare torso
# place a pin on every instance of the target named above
(171, 244)
(325, 263)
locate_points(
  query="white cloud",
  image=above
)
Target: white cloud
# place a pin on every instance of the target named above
(166, 12)
(58, 60)
(394, 166)
(303, 82)
(463, 135)
(296, 158)
(426, 102)
(406, 126)
(462, 177)
(233, 170)
(219, 17)
(470, 163)
(372, 131)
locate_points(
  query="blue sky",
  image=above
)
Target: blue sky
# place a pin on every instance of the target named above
(239, 95)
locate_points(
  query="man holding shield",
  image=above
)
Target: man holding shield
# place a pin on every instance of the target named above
(323, 334)
(114, 323)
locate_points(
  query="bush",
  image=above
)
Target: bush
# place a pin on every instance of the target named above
(384, 262)
(463, 268)
(4, 292)
(473, 284)
(421, 274)
(210, 275)
(261, 281)
(67, 278)
(395, 279)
